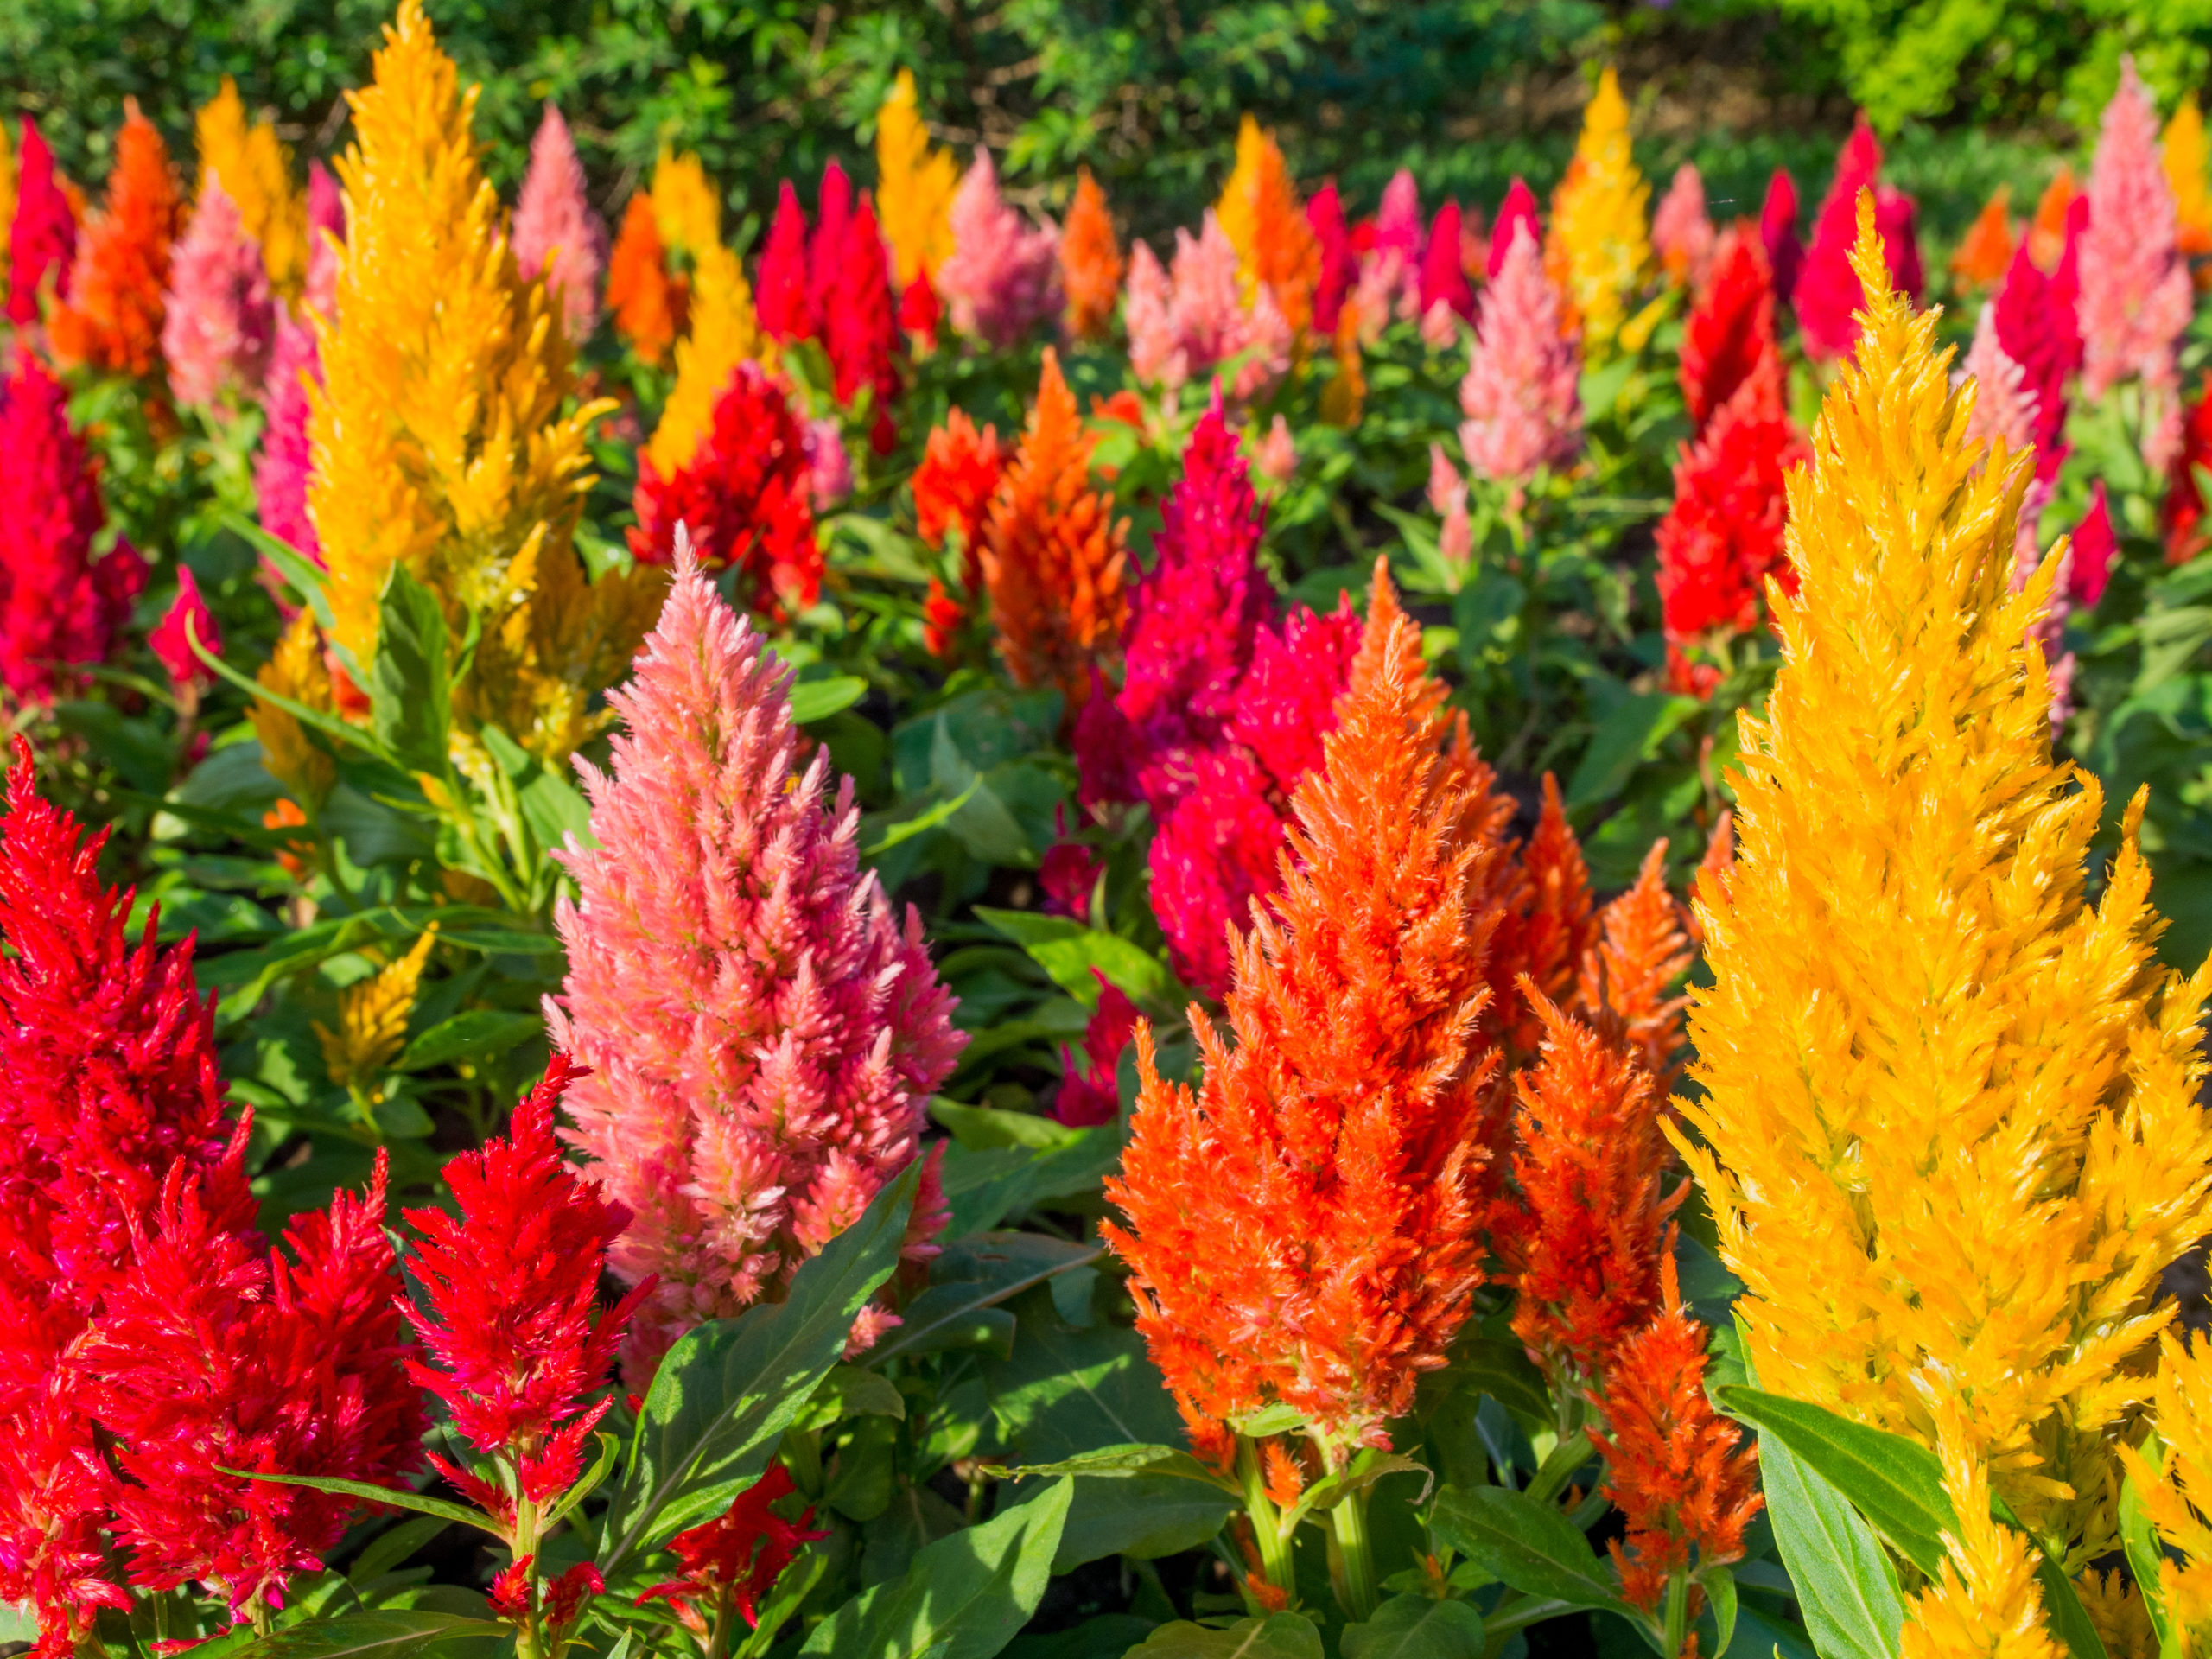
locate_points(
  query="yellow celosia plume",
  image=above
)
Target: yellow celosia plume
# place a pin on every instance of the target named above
(1601, 236)
(7, 192)
(914, 184)
(2188, 158)
(1987, 1601)
(373, 1017)
(687, 211)
(441, 439)
(297, 672)
(1238, 208)
(2177, 1495)
(1948, 1126)
(724, 333)
(256, 170)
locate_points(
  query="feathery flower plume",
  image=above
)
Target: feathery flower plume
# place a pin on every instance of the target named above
(724, 333)
(687, 208)
(1785, 254)
(2181, 514)
(1443, 277)
(1186, 321)
(1681, 234)
(744, 497)
(953, 487)
(1090, 261)
(2005, 405)
(60, 607)
(216, 336)
(1092, 1095)
(1286, 702)
(2186, 155)
(1275, 456)
(787, 296)
(1002, 277)
(1728, 337)
(1518, 208)
(171, 646)
(1641, 947)
(2095, 547)
(1447, 494)
(1825, 294)
(1598, 218)
(729, 1564)
(286, 461)
(42, 232)
(2053, 224)
(914, 185)
(647, 300)
(1340, 265)
(255, 169)
(1986, 251)
(1260, 213)
(765, 1035)
(2008, 1243)
(1052, 555)
(1520, 395)
(110, 316)
(1355, 1136)
(295, 669)
(373, 1016)
(2135, 289)
(557, 235)
(2037, 329)
(828, 468)
(1398, 230)
(2177, 1491)
(826, 245)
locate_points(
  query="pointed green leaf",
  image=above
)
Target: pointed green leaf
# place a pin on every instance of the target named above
(362, 1488)
(1417, 1627)
(1529, 1545)
(410, 694)
(1844, 1584)
(1284, 1636)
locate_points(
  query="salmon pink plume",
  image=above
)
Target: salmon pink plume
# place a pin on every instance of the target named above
(556, 234)
(1785, 254)
(1092, 1095)
(1825, 293)
(1443, 278)
(2096, 547)
(1003, 277)
(1397, 225)
(647, 299)
(828, 466)
(1681, 235)
(1340, 265)
(60, 607)
(785, 308)
(1520, 394)
(42, 233)
(765, 1033)
(1090, 262)
(1728, 337)
(219, 320)
(746, 497)
(1518, 208)
(110, 315)
(1186, 321)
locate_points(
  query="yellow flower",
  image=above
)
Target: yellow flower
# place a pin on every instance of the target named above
(1238, 209)
(296, 670)
(687, 211)
(724, 333)
(2187, 156)
(2177, 1495)
(1948, 1126)
(2116, 1608)
(7, 192)
(1986, 1602)
(1600, 234)
(256, 170)
(915, 184)
(373, 1017)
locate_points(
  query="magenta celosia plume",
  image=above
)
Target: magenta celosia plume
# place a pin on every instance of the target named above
(782, 293)
(1826, 292)
(1785, 254)
(1520, 395)
(187, 619)
(1443, 276)
(42, 236)
(2038, 329)
(1002, 277)
(219, 319)
(1325, 212)
(1187, 321)
(765, 1035)
(282, 469)
(556, 234)
(826, 244)
(2095, 549)
(1401, 244)
(1518, 208)
(860, 321)
(1091, 1094)
(2135, 296)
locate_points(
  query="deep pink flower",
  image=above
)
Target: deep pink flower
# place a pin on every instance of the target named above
(1325, 212)
(42, 236)
(1092, 1095)
(1003, 275)
(1216, 850)
(171, 646)
(2040, 333)
(826, 245)
(1443, 278)
(1069, 871)
(286, 462)
(219, 318)
(785, 310)
(1785, 254)
(1518, 208)
(556, 234)
(1286, 704)
(1826, 293)
(2095, 549)
(1521, 393)
(1401, 244)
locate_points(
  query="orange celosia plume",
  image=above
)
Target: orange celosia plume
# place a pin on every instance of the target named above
(2047, 230)
(1642, 950)
(1052, 555)
(1303, 1227)
(112, 318)
(1090, 261)
(648, 301)
(1986, 251)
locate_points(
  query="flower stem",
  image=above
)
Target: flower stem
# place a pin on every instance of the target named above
(1276, 1550)
(1678, 1612)
(1349, 1518)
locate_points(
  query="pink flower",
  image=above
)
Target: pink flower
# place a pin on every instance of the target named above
(1400, 241)
(286, 462)
(169, 641)
(1185, 322)
(1785, 254)
(1325, 212)
(2006, 405)
(1518, 208)
(861, 320)
(828, 469)
(1276, 457)
(218, 319)
(1004, 274)
(1286, 704)
(556, 234)
(1069, 871)
(42, 236)
(826, 245)
(1520, 395)
(2135, 287)
(1216, 850)
(1447, 494)
(2095, 549)
(1092, 1095)
(765, 1036)
(2038, 329)
(1681, 235)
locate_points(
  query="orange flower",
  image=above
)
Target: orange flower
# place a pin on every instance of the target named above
(953, 487)
(1984, 253)
(2047, 231)
(111, 318)
(1052, 555)
(1303, 1227)
(1090, 261)
(1679, 1471)
(648, 303)
(1548, 926)
(1643, 949)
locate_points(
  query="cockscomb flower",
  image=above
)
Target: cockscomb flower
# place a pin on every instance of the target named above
(2135, 289)
(1090, 261)
(2181, 513)
(724, 332)
(2005, 1245)
(1277, 251)
(110, 317)
(1728, 337)
(785, 300)
(1052, 553)
(1185, 322)
(862, 326)
(1275, 457)
(219, 320)
(556, 234)
(731, 1563)
(2176, 1488)
(326, 241)
(1825, 294)
(1217, 848)
(1003, 277)
(2186, 154)
(1630, 971)
(953, 487)
(1443, 276)
(826, 244)
(186, 619)
(914, 185)
(41, 234)
(1399, 234)
(2037, 330)
(1519, 207)
(2050, 224)
(1339, 264)
(828, 464)
(2005, 405)
(1092, 1095)
(372, 1014)
(1328, 1163)
(286, 460)
(1785, 254)
(2095, 549)
(648, 300)
(765, 1033)
(255, 169)
(1520, 395)
(687, 208)
(1986, 251)
(60, 607)
(1284, 704)
(1598, 218)
(1681, 234)
(746, 497)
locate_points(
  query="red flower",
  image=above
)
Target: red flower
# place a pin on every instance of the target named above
(827, 246)
(1340, 265)
(1785, 254)
(782, 299)
(745, 496)
(1729, 336)
(953, 487)
(1723, 536)
(1545, 927)
(1827, 291)
(42, 237)
(2181, 513)
(1068, 872)
(514, 1591)
(2095, 549)
(2039, 328)
(1443, 277)
(509, 1312)
(111, 315)
(169, 642)
(861, 330)
(734, 1559)
(1094, 1095)
(920, 310)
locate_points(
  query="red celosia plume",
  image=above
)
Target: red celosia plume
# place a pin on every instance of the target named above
(42, 236)
(734, 1560)
(1728, 337)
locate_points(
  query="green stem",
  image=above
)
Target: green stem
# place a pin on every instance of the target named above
(1276, 1550)
(1569, 1455)
(1349, 1518)
(802, 1453)
(1678, 1612)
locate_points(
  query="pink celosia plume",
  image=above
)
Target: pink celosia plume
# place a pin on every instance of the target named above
(1187, 321)
(1325, 212)
(1520, 395)
(1681, 234)
(282, 469)
(2036, 328)
(1003, 275)
(556, 234)
(2095, 549)
(219, 318)
(186, 619)
(1518, 208)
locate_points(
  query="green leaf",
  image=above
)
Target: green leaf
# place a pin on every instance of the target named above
(1417, 1627)
(1502, 1371)
(963, 1597)
(392, 1547)
(1067, 951)
(399, 1499)
(813, 699)
(306, 578)
(1333, 1490)
(1626, 738)
(378, 1635)
(1284, 1635)
(1842, 1579)
(857, 1392)
(410, 694)
(553, 808)
(980, 1129)
(2144, 1554)
(480, 1033)
(1529, 1545)
(727, 1391)
(929, 818)
(1720, 1591)
(972, 1277)
(2070, 1620)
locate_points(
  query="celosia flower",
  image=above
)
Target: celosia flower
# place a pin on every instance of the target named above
(724, 333)
(1986, 251)
(1991, 1229)
(1302, 1227)
(826, 245)
(1400, 238)
(216, 333)
(110, 314)
(734, 1560)
(2036, 330)
(296, 671)
(2135, 289)
(953, 487)
(254, 170)
(41, 234)
(326, 241)
(1826, 292)
(1052, 555)
(1728, 337)
(1447, 497)
(1443, 278)
(1340, 265)
(1521, 394)
(828, 468)
(172, 645)
(2053, 221)
(286, 461)
(2115, 1610)
(557, 235)
(1184, 324)
(2005, 406)
(372, 1014)
(1277, 251)
(1518, 208)
(1090, 261)
(687, 208)
(60, 607)
(1284, 704)
(1093, 1094)
(2095, 549)
(1681, 235)
(1275, 456)
(7, 191)
(1217, 848)
(746, 496)
(786, 311)
(1677, 1470)
(647, 301)
(1002, 277)
(2176, 1491)
(1785, 254)
(861, 323)
(2185, 153)
(1598, 218)
(914, 185)
(1069, 871)
(766, 1034)
(2181, 514)
(920, 311)
(1988, 1597)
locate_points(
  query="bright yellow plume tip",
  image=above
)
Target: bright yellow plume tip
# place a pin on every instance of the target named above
(724, 333)
(1600, 220)
(1238, 208)
(687, 210)
(914, 184)
(373, 1017)
(256, 171)
(1948, 1124)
